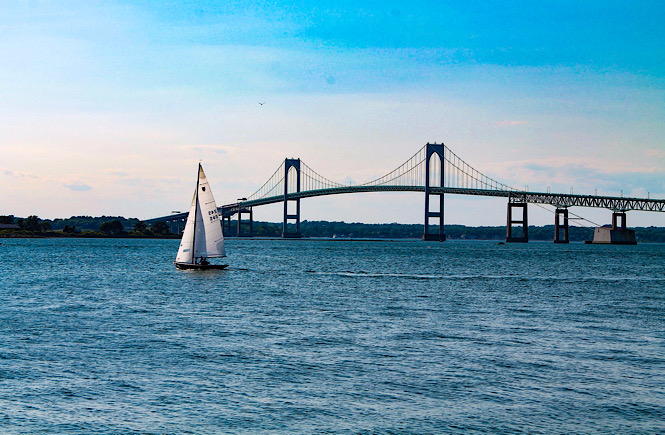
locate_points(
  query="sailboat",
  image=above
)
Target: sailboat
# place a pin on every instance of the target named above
(202, 238)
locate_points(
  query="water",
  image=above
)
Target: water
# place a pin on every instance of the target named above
(304, 336)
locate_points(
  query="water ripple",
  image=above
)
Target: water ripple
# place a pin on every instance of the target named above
(320, 337)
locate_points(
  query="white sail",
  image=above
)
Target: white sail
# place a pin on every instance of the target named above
(203, 231)
(186, 251)
(208, 239)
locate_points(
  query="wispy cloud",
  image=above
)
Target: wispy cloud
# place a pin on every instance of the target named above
(509, 123)
(217, 149)
(349, 181)
(659, 154)
(77, 186)
(18, 174)
(584, 176)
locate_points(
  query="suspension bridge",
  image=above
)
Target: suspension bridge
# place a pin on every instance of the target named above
(434, 170)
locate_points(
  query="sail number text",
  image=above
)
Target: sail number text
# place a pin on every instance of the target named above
(213, 215)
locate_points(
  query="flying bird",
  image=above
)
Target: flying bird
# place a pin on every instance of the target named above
(261, 104)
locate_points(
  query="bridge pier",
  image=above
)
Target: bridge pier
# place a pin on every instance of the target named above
(619, 220)
(248, 211)
(438, 151)
(559, 227)
(226, 224)
(523, 222)
(175, 225)
(286, 234)
(618, 234)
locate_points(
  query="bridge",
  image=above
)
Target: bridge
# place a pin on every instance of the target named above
(435, 171)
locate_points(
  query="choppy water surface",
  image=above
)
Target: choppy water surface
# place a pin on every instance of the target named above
(304, 336)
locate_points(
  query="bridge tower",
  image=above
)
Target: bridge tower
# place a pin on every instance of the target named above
(288, 164)
(436, 151)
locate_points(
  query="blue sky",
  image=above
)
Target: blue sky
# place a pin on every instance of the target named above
(108, 106)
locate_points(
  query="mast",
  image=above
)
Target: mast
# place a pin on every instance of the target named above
(196, 212)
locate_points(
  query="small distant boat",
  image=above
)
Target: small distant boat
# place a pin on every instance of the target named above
(202, 238)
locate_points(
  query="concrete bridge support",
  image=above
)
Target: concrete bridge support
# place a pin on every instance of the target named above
(250, 231)
(436, 151)
(524, 222)
(618, 234)
(286, 234)
(560, 227)
(176, 226)
(619, 221)
(226, 224)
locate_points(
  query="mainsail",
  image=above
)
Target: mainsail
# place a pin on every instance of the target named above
(202, 237)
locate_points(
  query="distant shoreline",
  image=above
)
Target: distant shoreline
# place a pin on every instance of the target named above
(112, 227)
(313, 239)
(83, 235)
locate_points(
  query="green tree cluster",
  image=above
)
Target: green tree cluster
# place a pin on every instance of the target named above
(69, 229)
(114, 228)
(31, 223)
(140, 227)
(7, 219)
(160, 229)
(89, 223)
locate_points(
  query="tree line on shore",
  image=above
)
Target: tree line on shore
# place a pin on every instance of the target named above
(415, 231)
(404, 231)
(118, 226)
(82, 226)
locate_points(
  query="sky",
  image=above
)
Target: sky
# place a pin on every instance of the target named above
(107, 107)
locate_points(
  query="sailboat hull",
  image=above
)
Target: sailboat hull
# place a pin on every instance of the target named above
(190, 266)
